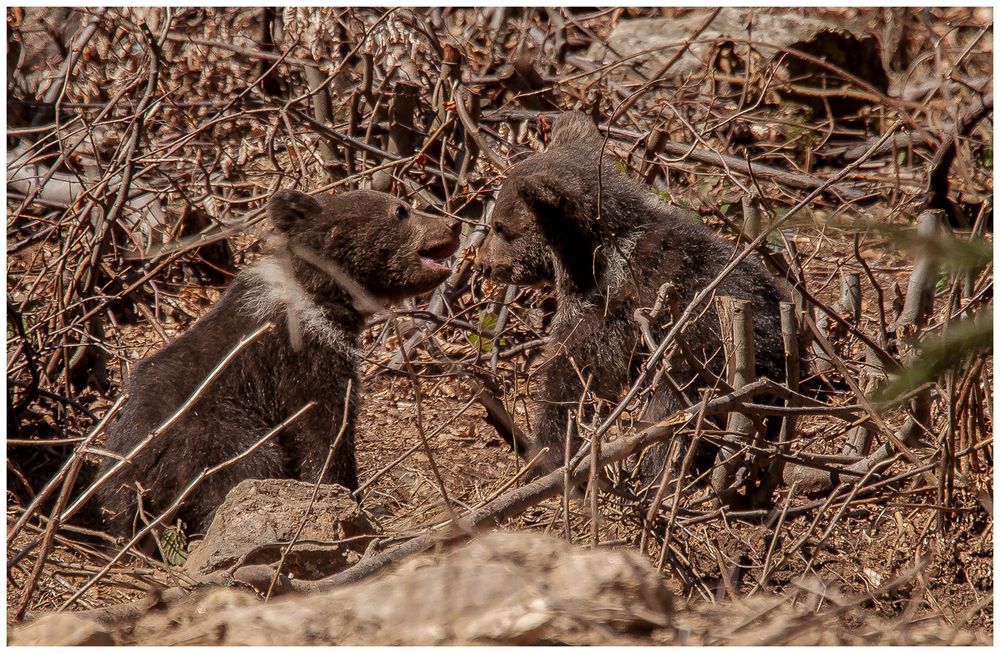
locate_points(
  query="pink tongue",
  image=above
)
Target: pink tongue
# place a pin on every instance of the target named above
(434, 265)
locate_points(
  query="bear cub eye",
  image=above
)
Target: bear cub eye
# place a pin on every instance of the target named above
(500, 230)
(402, 212)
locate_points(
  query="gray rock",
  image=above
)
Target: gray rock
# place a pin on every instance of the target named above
(504, 588)
(664, 35)
(258, 514)
(61, 629)
(843, 44)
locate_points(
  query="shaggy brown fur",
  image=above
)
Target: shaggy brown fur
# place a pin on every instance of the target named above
(388, 249)
(613, 244)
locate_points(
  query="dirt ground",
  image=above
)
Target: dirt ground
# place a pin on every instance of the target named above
(873, 544)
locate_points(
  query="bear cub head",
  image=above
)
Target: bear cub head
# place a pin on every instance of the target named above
(553, 193)
(391, 249)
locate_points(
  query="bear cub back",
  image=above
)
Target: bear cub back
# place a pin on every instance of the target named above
(566, 215)
(342, 253)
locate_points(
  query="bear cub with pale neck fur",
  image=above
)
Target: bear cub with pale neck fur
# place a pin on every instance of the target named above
(609, 244)
(341, 252)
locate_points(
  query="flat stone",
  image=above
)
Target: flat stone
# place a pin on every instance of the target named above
(501, 589)
(662, 36)
(61, 629)
(259, 514)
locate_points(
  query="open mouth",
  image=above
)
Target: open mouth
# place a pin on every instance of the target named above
(431, 256)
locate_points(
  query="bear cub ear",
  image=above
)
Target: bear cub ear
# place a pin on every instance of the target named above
(539, 191)
(576, 130)
(287, 207)
(546, 192)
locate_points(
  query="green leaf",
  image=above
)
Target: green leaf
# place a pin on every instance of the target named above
(487, 324)
(173, 544)
(939, 354)
(942, 282)
(488, 320)
(956, 255)
(662, 194)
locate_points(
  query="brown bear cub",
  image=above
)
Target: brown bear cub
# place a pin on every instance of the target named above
(613, 244)
(387, 250)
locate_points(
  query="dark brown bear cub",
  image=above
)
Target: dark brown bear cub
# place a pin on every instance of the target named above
(382, 248)
(613, 244)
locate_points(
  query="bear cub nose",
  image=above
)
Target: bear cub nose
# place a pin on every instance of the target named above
(480, 265)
